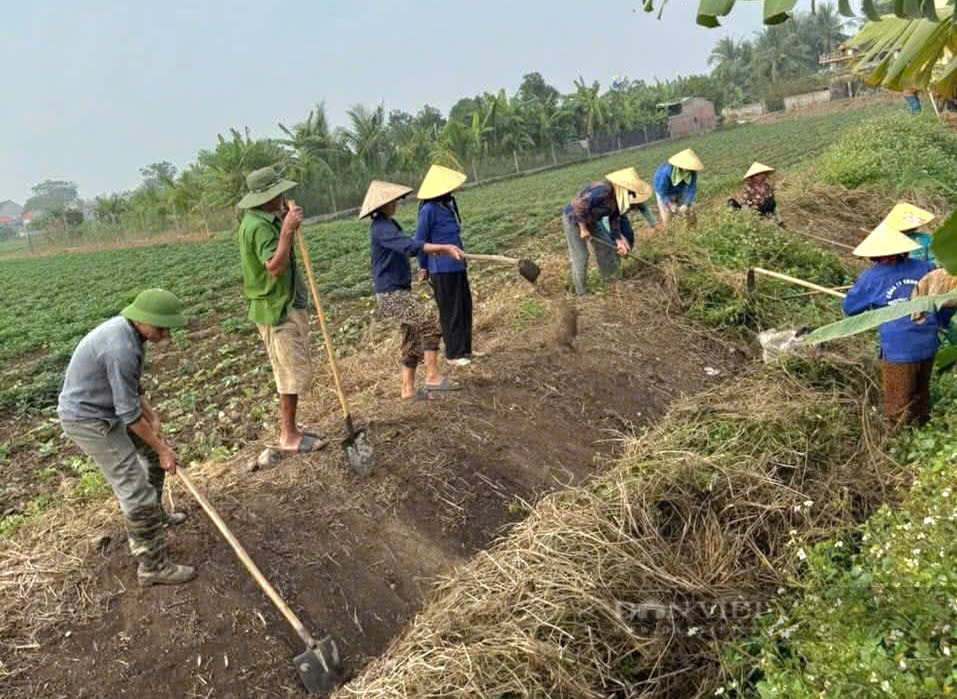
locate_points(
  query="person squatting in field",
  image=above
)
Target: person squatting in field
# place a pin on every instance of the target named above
(758, 192)
(582, 219)
(907, 346)
(676, 184)
(439, 223)
(103, 410)
(390, 249)
(278, 302)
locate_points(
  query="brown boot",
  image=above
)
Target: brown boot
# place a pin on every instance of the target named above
(148, 544)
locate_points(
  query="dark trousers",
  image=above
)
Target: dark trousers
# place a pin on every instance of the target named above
(454, 298)
(907, 391)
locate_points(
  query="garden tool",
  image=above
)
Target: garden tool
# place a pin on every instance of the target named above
(793, 280)
(356, 445)
(318, 665)
(528, 269)
(602, 241)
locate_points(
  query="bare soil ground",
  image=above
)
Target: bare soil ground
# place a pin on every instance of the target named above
(353, 556)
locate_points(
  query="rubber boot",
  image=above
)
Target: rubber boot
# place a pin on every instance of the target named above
(148, 543)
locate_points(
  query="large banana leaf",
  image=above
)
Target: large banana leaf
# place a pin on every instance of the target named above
(777, 11)
(904, 53)
(871, 319)
(944, 245)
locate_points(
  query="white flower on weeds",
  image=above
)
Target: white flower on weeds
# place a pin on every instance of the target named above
(719, 691)
(946, 651)
(886, 686)
(793, 532)
(693, 631)
(801, 554)
(808, 503)
(838, 544)
(928, 520)
(946, 493)
(902, 665)
(915, 552)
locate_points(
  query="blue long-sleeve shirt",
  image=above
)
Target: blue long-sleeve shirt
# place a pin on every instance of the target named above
(437, 224)
(390, 249)
(597, 202)
(684, 193)
(901, 340)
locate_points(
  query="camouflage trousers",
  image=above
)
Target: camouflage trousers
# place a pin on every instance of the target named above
(132, 469)
(418, 327)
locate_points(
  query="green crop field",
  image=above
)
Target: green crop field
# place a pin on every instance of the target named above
(52, 301)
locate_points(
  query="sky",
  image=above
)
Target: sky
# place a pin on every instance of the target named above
(93, 91)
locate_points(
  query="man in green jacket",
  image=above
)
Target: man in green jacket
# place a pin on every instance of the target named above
(278, 303)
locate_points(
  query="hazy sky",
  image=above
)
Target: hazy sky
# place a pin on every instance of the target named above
(94, 90)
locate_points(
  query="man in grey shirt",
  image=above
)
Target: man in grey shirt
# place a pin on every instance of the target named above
(102, 410)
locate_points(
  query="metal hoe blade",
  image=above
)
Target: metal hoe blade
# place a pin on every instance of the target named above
(529, 270)
(359, 452)
(319, 667)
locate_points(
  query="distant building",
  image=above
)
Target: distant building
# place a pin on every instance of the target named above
(689, 115)
(10, 213)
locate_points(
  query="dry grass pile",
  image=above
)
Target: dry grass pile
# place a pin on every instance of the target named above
(699, 512)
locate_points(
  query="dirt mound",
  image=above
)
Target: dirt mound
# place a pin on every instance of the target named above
(353, 556)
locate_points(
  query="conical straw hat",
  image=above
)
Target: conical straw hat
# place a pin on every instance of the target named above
(440, 180)
(757, 168)
(884, 240)
(904, 217)
(381, 193)
(628, 178)
(686, 160)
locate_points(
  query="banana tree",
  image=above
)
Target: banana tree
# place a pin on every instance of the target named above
(777, 11)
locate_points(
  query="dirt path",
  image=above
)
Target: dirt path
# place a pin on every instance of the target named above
(355, 556)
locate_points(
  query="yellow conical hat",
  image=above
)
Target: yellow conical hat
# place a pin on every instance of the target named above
(757, 168)
(440, 180)
(686, 160)
(904, 217)
(628, 178)
(884, 240)
(381, 193)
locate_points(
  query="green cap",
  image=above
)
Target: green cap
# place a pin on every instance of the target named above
(264, 185)
(156, 307)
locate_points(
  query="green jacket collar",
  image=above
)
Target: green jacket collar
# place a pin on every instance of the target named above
(264, 215)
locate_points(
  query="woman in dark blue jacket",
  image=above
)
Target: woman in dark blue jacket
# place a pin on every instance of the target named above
(390, 250)
(440, 224)
(907, 346)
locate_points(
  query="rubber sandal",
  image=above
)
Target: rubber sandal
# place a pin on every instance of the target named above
(421, 394)
(307, 445)
(444, 386)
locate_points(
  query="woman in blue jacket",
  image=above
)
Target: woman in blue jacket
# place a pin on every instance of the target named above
(676, 183)
(440, 224)
(390, 250)
(907, 347)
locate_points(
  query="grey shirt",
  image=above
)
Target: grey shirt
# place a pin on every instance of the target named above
(103, 378)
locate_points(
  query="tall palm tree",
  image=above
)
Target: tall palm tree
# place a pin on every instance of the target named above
(588, 105)
(315, 152)
(368, 137)
(779, 52)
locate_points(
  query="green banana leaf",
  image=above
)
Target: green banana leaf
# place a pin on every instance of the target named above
(871, 319)
(944, 244)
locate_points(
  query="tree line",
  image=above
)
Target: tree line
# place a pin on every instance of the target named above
(334, 164)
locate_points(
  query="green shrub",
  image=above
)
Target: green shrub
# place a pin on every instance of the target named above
(875, 613)
(896, 150)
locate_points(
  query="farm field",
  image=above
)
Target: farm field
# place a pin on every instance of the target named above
(438, 497)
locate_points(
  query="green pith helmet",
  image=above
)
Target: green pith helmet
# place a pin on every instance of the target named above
(156, 307)
(264, 185)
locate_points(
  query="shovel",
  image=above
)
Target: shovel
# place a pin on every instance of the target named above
(528, 269)
(318, 666)
(356, 445)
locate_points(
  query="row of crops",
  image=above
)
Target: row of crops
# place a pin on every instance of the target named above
(53, 301)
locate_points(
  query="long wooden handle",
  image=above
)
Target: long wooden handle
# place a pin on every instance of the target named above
(304, 256)
(799, 282)
(491, 258)
(247, 561)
